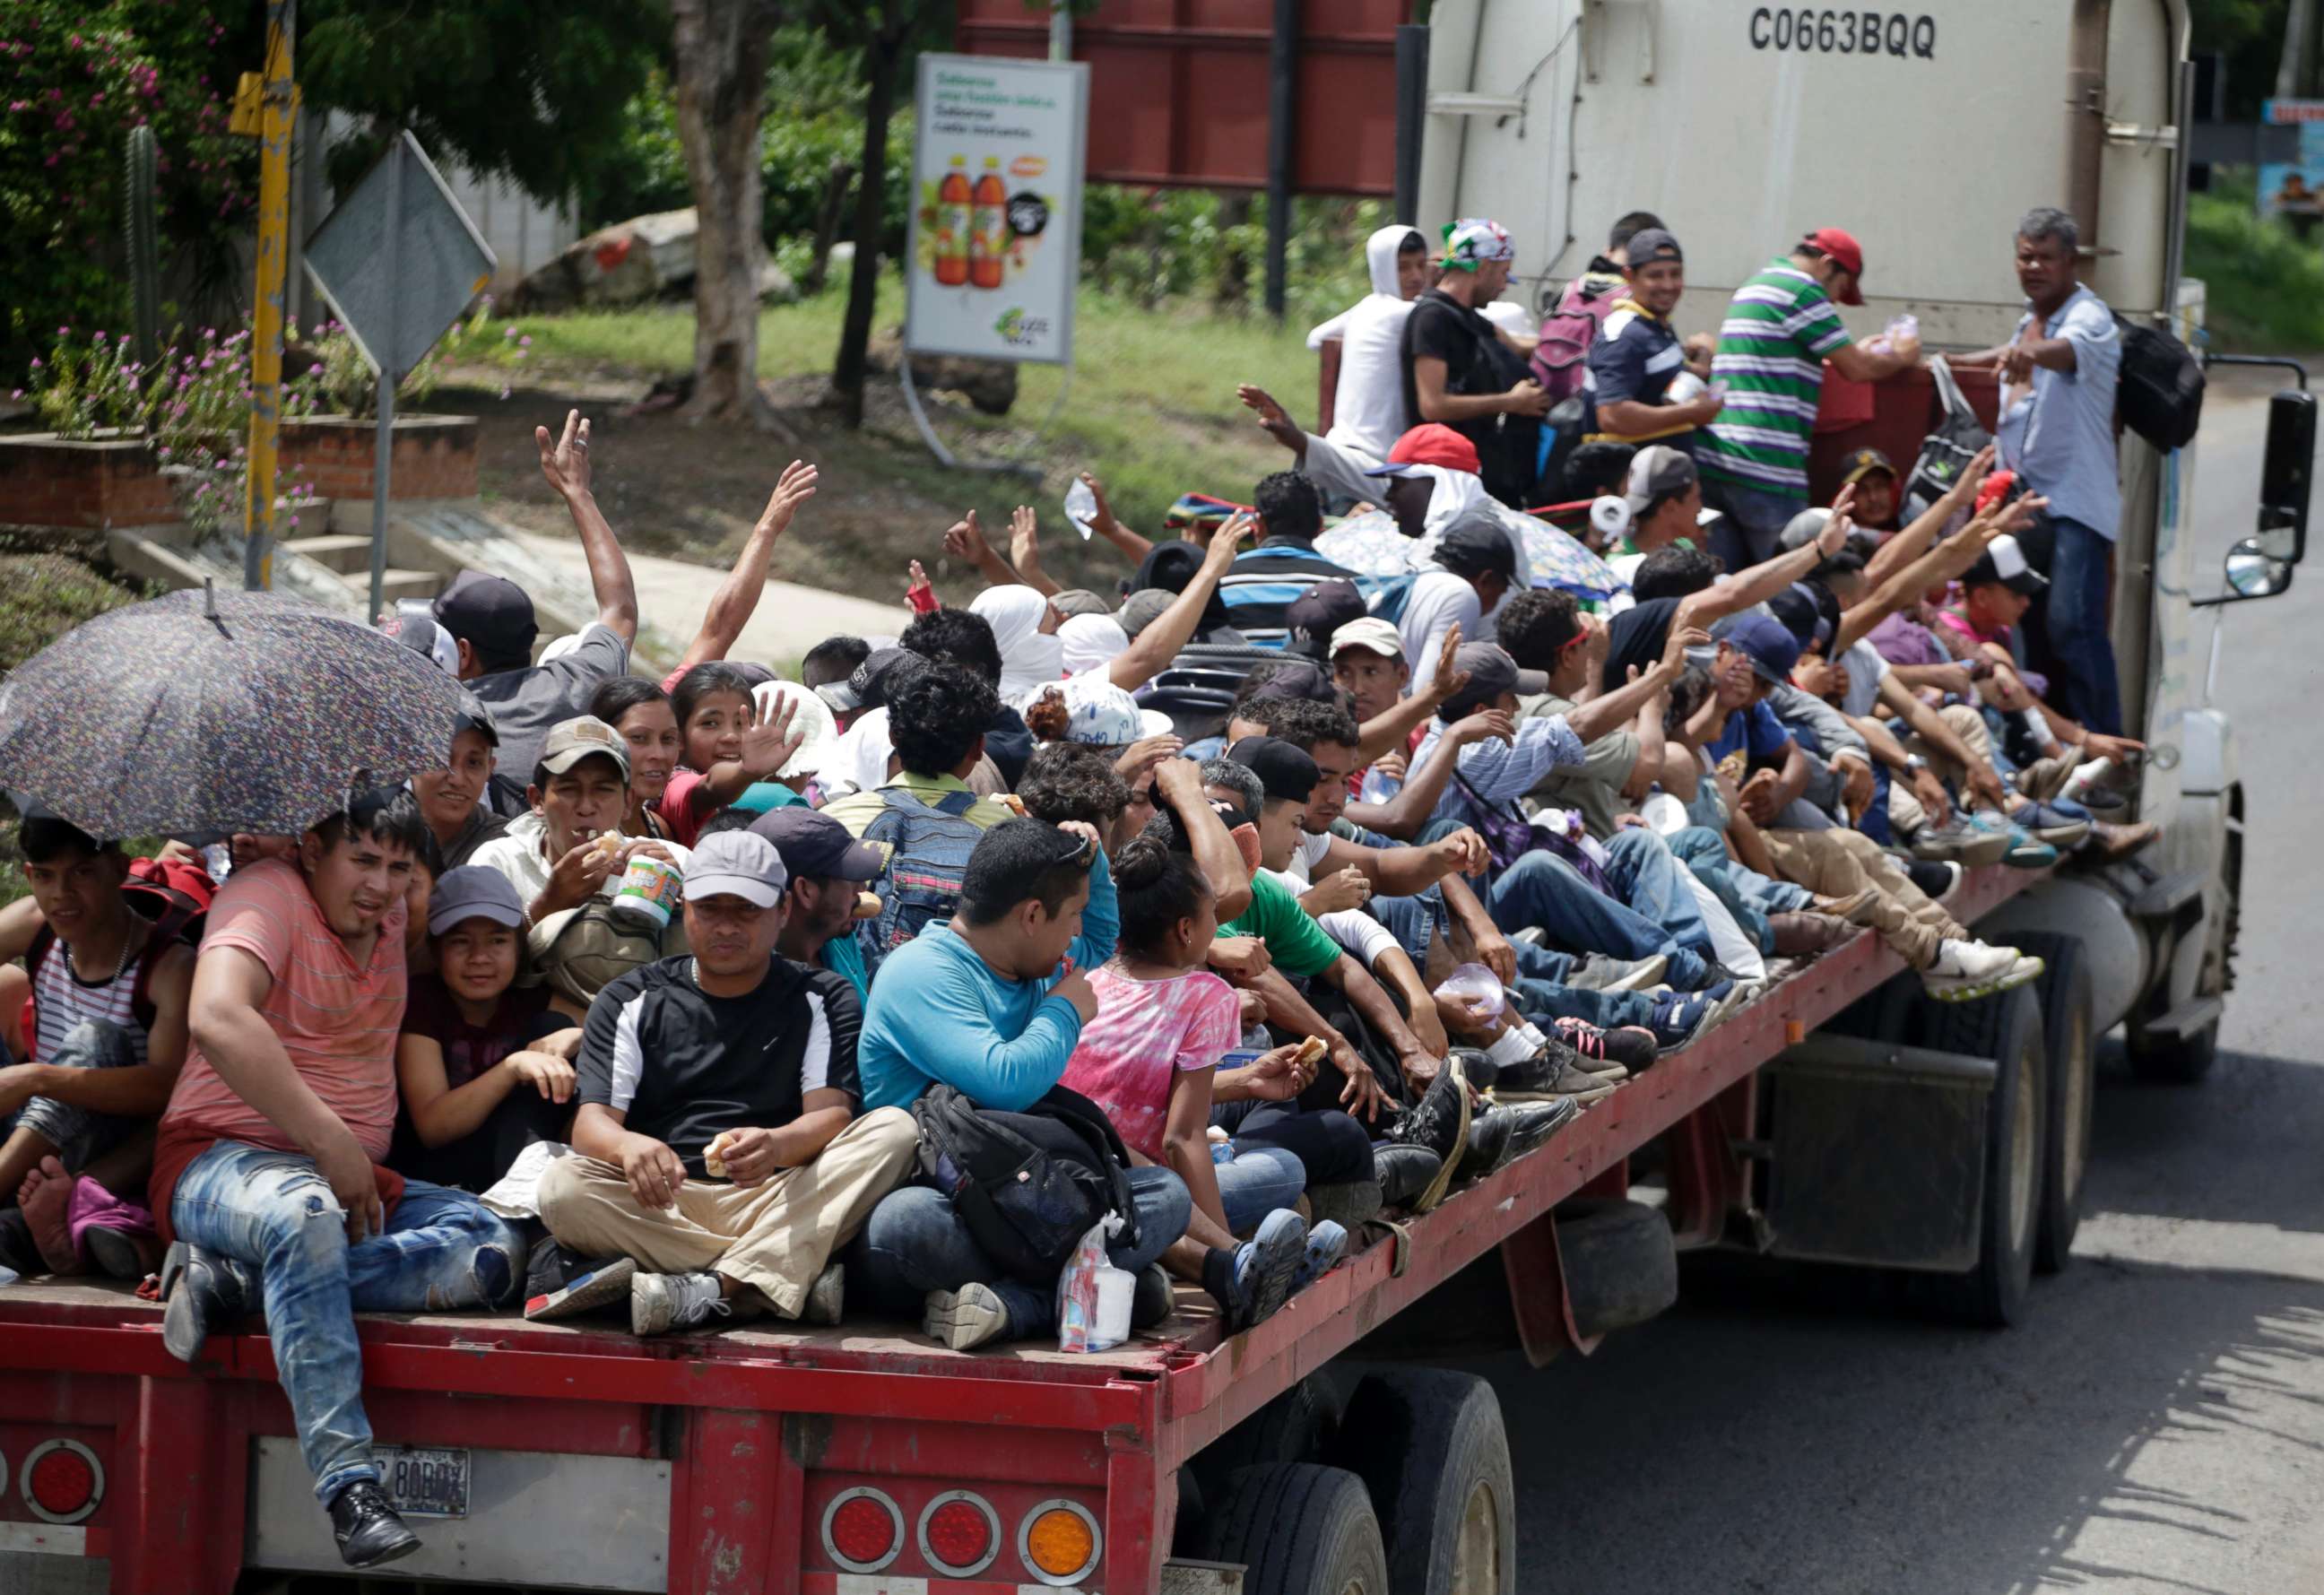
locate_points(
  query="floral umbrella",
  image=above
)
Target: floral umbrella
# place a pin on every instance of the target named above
(203, 714)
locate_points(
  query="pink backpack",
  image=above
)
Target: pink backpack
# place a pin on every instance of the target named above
(1569, 329)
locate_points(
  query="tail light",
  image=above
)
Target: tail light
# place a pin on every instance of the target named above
(1059, 1543)
(960, 1534)
(62, 1480)
(862, 1530)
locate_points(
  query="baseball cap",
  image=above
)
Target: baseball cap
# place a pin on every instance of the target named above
(1474, 544)
(864, 689)
(1652, 244)
(1846, 253)
(1803, 529)
(1762, 640)
(424, 637)
(1099, 715)
(1292, 677)
(1371, 633)
(1142, 608)
(474, 891)
(1075, 601)
(1283, 770)
(1492, 672)
(736, 863)
(1432, 443)
(2004, 561)
(1316, 616)
(569, 742)
(1659, 473)
(491, 614)
(1863, 462)
(811, 843)
(472, 715)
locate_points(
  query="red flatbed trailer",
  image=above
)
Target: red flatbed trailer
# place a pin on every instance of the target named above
(716, 1464)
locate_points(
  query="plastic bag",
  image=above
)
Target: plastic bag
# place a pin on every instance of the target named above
(1080, 507)
(1474, 983)
(1092, 1294)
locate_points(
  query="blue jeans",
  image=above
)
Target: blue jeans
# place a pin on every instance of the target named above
(1261, 1179)
(1658, 917)
(2091, 691)
(1542, 993)
(270, 1210)
(1750, 522)
(914, 1243)
(1331, 1147)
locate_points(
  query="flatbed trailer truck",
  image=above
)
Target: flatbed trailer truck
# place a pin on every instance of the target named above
(1839, 1117)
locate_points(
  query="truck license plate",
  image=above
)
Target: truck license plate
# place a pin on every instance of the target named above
(424, 1480)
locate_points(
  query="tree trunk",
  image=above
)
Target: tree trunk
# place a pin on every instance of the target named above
(826, 225)
(1231, 290)
(722, 47)
(883, 55)
(2292, 66)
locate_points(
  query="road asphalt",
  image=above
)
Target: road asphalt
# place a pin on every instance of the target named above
(2158, 1423)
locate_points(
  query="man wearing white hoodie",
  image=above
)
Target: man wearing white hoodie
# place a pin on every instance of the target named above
(1368, 406)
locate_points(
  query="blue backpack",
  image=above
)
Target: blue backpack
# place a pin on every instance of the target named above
(927, 854)
(1387, 595)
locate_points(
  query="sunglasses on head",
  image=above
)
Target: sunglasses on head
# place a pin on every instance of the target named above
(1079, 850)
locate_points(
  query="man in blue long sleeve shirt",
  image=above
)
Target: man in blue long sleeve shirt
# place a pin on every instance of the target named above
(991, 1002)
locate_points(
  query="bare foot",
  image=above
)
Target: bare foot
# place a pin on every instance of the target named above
(44, 1197)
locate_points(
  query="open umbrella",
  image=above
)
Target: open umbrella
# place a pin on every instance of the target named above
(202, 712)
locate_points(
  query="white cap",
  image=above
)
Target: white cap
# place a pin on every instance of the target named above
(1371, 633)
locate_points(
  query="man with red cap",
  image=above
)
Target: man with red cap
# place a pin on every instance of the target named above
(1780, 329)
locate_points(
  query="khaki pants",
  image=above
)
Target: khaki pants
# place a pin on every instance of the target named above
(1904, 810)
(1836, 864)
(775, 1236)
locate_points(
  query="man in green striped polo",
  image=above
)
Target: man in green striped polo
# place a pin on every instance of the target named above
(1781, 326)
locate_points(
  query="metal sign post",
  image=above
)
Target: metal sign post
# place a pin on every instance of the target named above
(383, 451)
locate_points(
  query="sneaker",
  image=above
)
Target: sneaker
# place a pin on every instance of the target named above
(1804, 935)
(1934, 878)
(1678, 1017)
(1623, 1050)
(203, 1291)
(1439, 1121)
(1598, 973)
(2028, 852)
(367, 1528)
(1263, 1269)
(1551, 1074)
(1965, 971)
(659, 1303)
(1327, 1243)
(966, 1318)
(601, 1287)
(2091, 783)
(1153, 1298)
(2108, 842)
(2051, 824)
(1959, 838)
(828, 1296)
(1348, 1204)
(1404, 1172)
(550, 1265)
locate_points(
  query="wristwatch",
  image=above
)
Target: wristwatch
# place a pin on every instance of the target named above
(1914, 763)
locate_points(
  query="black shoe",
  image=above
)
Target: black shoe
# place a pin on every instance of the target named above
(1531, 1123)
(1489, 1143)
(366, 1527)
(1439, 1121)
(1153, 1298)
(551, 1265)
(1404, 1171)
(1934, 878)
(203, 1292)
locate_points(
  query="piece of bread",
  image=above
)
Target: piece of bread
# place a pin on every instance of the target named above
(714, 1162)
(1310, 1051)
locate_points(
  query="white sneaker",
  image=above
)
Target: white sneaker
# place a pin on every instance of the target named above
(827, 1298)
(1965, 971)
(966, 1318)
(662, 1302)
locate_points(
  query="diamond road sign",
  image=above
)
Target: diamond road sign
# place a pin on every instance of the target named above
(397, 281)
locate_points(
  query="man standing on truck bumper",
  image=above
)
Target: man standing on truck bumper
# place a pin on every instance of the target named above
(1780, 329)
(266, 1169)
(2058, 376)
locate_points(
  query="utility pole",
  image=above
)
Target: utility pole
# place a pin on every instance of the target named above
(278, 110)
(2292, 66)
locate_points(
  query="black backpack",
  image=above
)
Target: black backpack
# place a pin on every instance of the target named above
(2160, 393)
(1028, 1186)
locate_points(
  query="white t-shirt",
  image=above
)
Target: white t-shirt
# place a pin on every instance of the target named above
(1866, 671)
(1368, 404)
(1438, 600)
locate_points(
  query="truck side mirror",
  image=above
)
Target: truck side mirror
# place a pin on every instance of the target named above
(2254, 573)
(2285, 477)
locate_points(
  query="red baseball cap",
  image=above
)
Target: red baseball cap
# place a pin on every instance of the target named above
(1432, 444)
(1845, 253)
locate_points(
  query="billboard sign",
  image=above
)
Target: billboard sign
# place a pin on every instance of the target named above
(996, 234)
(2294, 190)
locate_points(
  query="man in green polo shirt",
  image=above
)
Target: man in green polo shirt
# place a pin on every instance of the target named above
(1780, 329)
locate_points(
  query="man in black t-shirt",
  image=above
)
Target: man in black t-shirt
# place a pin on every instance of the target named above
(1461, 370)
(717, 1143)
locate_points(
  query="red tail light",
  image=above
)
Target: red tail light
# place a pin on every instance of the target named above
(62, 1480)
(960, 1534)
(862, 1530)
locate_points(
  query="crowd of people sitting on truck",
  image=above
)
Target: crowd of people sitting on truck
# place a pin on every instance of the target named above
(1287, 885)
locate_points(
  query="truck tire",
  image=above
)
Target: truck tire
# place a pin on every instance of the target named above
(1429, 1445)
(2067, 1031)
(1621, 1266)
(2007, 1028)
(1299, 1529)
(1297, 1426)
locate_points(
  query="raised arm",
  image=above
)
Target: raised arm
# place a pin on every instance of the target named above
(1414, 803)
(1025, 549)
(1207, 837)
(1152, 650)
(963, 540)
(1610, 711)
(1732, 594)
(1133, 546)
(1939, 564)
(737, 597)
(1915, 540)
(564, 462)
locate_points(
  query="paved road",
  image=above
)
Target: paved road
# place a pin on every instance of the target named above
(2157, 1426)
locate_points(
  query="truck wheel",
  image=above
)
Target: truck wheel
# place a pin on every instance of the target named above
(1300, 1529)
(2007, 1028)
(1429, 1445)
(1621, 1266)
(1297, 1426)
(2072, 1080)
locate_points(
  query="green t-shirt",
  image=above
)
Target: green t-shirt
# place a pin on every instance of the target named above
(1780, 328)
(1298, 946)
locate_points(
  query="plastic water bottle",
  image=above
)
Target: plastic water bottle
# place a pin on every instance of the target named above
(1080, 507)
(218, 858)
(1476, 983)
